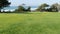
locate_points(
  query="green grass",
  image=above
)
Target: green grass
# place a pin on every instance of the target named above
(30, 23)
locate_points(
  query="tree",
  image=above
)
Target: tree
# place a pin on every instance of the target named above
(20, 9)
(42, 7)
(29, 8)
(54, 7)
(4, 3)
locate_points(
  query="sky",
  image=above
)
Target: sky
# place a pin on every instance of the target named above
(32, 2)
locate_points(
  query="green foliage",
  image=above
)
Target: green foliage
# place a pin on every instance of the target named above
(20, 9)
(54, 7)
(45, 7)
(42, 7)
(29, 8)
(4, 3)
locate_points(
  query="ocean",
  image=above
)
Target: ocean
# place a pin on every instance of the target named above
(12, 8)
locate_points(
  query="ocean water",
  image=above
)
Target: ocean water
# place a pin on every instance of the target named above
(12, 8)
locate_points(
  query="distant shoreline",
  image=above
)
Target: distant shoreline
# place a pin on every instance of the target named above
(12, 8)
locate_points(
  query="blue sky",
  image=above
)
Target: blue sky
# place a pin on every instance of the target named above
(32, 2)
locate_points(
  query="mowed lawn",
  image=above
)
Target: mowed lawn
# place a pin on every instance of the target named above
(30, 23)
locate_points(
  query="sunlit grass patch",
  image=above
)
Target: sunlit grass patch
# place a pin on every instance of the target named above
(30, 23)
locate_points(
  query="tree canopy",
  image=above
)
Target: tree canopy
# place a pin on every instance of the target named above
(54, 7)
(4, 3)
(42, 7)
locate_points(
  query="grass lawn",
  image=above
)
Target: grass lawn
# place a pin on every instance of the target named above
(30, 23)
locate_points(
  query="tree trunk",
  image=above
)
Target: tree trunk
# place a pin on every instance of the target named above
(0, 10)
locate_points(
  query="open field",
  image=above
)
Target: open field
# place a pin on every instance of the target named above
(30, 23)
